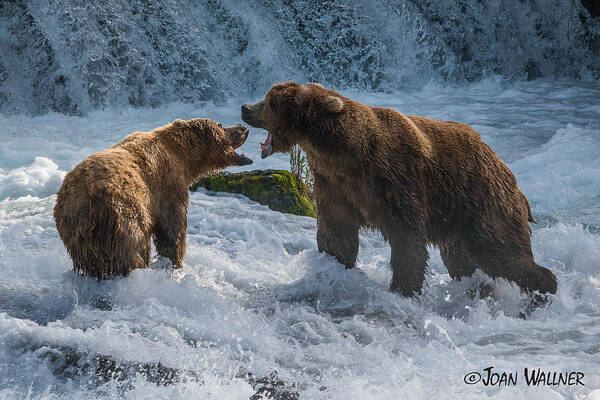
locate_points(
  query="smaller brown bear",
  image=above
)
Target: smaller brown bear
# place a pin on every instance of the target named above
(114, 201)
(417, 180)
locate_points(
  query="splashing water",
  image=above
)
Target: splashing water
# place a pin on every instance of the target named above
(74, 57)
(255, 296)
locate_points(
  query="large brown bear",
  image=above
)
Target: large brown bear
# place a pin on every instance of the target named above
(111, 203)
(415, 179)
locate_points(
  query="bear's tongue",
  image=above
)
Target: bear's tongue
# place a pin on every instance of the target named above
(267, 146)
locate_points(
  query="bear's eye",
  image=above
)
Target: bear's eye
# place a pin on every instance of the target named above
(272, 103)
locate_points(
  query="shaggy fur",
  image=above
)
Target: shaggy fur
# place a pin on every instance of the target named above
(114, 201)
(415, 179)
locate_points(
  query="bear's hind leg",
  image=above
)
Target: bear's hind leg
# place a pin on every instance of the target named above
(457, 260)
(524, 272)
(125, 250)
(170, 233)
(106, 243)
(113, 256)
(505, 252)
(460, 263)
(137, 255)
(515, 264)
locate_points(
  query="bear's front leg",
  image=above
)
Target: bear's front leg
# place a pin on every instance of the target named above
(338, 239)
(337, 226)
(169, 234)
(408, 263)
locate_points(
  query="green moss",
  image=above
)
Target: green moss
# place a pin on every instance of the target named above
(280, 190)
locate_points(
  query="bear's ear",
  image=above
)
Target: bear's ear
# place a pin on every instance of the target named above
(333, 104)
(327, 103)
(299, 97)
(180, 123)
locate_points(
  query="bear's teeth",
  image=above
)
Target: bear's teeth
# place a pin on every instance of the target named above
(267, 146)
(267, 140)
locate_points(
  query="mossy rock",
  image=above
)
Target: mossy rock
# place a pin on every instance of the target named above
(280, 190)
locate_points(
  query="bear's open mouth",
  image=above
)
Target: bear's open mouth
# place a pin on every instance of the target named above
(237, 142)
(242, 159)
(240, 140)
(267, 146)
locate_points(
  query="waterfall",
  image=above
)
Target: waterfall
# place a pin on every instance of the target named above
(72, 57)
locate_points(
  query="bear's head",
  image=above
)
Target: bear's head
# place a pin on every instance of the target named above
(207, 144)
(289, 111)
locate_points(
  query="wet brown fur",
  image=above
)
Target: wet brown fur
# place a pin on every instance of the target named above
(114, 201)
(419, 181)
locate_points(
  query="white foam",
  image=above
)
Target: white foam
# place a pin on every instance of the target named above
(256, 296)
(563, 175)
(42, 178)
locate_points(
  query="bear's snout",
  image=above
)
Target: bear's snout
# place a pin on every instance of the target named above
(250, 114)
(247, 113)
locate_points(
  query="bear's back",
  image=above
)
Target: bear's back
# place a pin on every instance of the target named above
(108, 177)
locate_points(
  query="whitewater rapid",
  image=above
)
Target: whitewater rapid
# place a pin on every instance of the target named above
(74, 57)
(255, 296)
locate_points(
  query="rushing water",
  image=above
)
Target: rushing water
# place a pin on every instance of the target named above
(255, 296)
(74, 56)
(256, 306)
